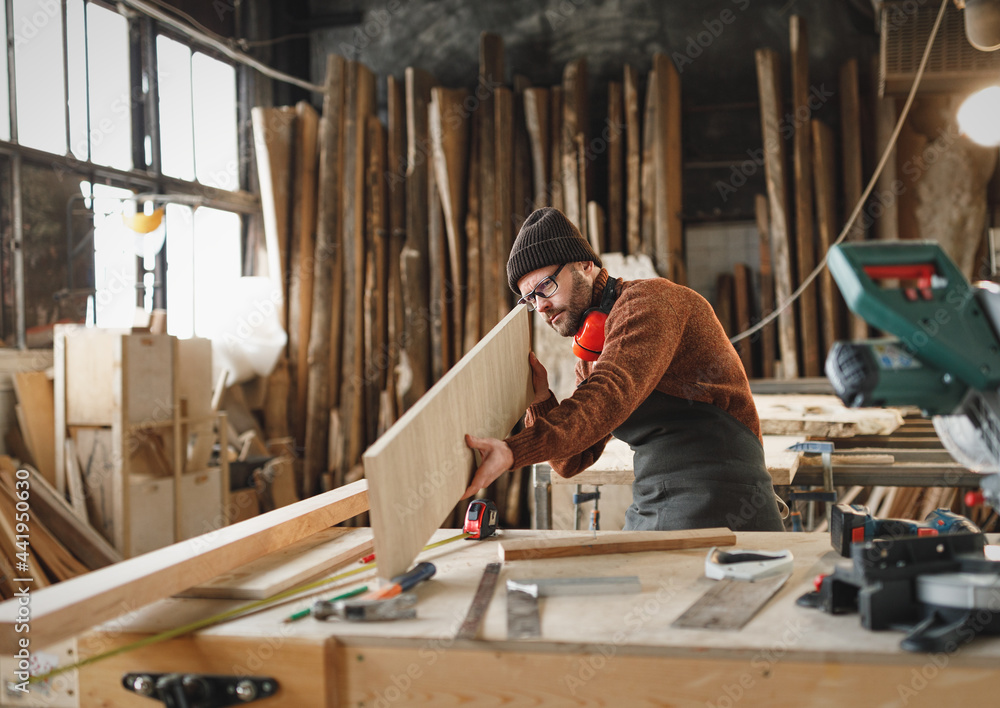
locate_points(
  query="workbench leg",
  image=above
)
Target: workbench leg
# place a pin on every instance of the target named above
(542, 490)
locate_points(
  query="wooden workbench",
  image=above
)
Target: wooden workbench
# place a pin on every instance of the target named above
(599, 651)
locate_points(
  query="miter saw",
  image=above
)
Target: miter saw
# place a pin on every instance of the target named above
(946, 360)
(945, 357)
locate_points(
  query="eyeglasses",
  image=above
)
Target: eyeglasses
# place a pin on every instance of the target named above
(546, 288)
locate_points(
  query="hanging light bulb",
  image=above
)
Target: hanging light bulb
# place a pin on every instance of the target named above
(979, 116)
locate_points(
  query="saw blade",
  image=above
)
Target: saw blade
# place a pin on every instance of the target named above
(480, 601)
(729, 604)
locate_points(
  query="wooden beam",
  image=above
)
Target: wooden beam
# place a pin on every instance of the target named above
(615, 542)
(647, 228)
(450, 148)
(273, 132)
(419, 469)
(766, 286)
(473, 263)
(377, 276)
(557, 198)
(852, 161)
(574, 123)
(300, 284)
(396, 176)
(536, 117)
(70, 608)
(771, 112)
(801, 157)
(668, 235)
(741, 313)
(824, 168)
(490, 80)
(437, 252)
(616, 184)
(633, 161)
(522, 194)
(504, 198)
(327, 278)
(414, 264)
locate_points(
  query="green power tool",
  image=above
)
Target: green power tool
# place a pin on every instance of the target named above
(945, 357)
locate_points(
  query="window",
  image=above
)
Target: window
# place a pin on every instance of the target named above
(197, 90)
(109, 85)
(115, 261)
(38, 66)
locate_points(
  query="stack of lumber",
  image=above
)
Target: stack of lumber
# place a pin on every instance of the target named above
(799, 217)
(389, 242)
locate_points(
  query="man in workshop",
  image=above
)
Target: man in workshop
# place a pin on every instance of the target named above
(665, 379)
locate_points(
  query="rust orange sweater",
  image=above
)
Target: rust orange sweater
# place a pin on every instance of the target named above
(659, 336)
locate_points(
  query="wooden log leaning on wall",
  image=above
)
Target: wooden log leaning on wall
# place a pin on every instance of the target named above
(326, 279)
(801, 156)
(490, 80)
(853, 174)
(396, 176)
(300, 284)
(557, 198)
(771, 110)
(473, 264)
(376, 280)
(668, 235)
(536, 117)
(647, 170)
(824, 160)
(449, 132)
(503, 201)
(633, 160)
(766, 286)
(522, 193)
(359, 104)
(415, 356)
(437, 252)
(616, 132)
(574, 124)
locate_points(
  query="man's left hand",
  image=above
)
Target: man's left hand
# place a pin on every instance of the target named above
(497, 459)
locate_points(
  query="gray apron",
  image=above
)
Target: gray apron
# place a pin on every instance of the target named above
(696, 467)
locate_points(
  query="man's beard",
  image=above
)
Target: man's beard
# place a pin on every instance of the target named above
(579, 302)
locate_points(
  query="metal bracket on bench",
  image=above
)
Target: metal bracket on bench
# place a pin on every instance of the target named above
(200, 690)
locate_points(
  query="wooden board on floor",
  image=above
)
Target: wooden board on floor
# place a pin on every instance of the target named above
(75, 605)
(35, 396)
(821, 416)
(419, 469)
(615, 542)
(276, 572)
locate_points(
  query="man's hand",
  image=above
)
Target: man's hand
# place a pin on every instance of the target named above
(539, 379)
(497, 459)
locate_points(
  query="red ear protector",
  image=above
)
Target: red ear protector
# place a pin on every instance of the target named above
(589, 339)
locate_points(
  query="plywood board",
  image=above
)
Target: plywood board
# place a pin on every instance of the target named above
(75, 605)
(35, 395)
(615, 542)
(822, 416)
(276, 572)
(419, 469)
(194, 376)
(148, 379)
(201, 503)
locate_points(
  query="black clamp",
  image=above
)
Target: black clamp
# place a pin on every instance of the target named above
(200, 690)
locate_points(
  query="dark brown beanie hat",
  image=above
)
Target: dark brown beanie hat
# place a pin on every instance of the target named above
(546, 238)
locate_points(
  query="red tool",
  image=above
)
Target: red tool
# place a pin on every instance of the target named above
(481, 519)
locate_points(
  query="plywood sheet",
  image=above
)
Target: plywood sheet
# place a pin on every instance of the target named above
(421, 466)
(35, 396)
(194, 374)
(276, 572)
(822, 416)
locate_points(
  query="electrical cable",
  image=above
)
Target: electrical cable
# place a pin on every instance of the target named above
(864, 196)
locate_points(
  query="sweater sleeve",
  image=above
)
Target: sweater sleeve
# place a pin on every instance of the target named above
(642, 335)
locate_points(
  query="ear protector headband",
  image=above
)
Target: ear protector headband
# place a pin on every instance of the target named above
(589, 340)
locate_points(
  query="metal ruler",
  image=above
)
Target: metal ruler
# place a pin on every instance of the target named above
(480, 601)
(522, 598)
(729, 604)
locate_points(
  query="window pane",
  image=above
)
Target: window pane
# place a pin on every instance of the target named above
(4, 86)
(216, 263)
(110, 109)
(173, 66)
(38, 64)
(77, 51)
(114, 260)
(180, 271)
(214, 91)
